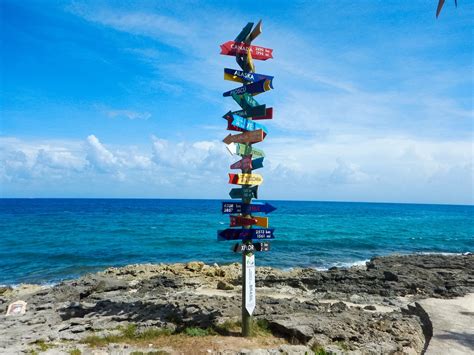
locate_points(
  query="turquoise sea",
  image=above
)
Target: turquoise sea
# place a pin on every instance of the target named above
(47, 240)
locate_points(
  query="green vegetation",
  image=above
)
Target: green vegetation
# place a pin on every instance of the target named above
(198, 332)
(127, 334)
(149, 353)
(75, 352)
(342, 345)
(318, 350)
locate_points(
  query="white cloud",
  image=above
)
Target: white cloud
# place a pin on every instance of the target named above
(99, 156)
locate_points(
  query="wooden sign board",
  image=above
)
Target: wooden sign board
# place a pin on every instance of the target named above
(240, 221)
(246, 124)
(245, 137)
(246, 193)
(245, 234)
(246, 208)
(244, 149)
(246, 163)
(241, 247)
(250, 283)
(240, 76)
(254, 88)
(239, 48)
(245, 179)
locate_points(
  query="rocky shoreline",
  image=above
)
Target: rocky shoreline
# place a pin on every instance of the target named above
(372, 309)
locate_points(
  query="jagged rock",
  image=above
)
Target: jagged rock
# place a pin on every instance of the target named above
(223, 285)
(195, 265)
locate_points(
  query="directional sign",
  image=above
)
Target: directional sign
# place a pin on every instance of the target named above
(246, 208)
(249, 283)
(230, 127)
(266, 115)
(245, 179)
(255, 33)
(244, 77)
(240, 247)
(246, 101)
(246, 124)
(245, 137)
(242, 36)
(238, 48)
(240, 221)
(245, 234)
(246, 193)
(246, 163)
(254, 88)
(243, 149)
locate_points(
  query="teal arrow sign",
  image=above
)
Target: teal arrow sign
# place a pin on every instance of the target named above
(246, 101)
(247, 124)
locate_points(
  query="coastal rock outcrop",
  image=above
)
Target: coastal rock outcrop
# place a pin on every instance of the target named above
(366, 310)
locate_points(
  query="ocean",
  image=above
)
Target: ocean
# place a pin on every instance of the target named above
(49, 240)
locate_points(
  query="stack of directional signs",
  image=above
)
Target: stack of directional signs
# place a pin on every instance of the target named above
(249, 229)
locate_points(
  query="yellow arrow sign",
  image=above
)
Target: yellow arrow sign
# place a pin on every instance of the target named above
(261, 221)
(245, 179)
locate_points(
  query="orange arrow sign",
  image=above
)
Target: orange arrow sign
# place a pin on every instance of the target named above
(246, 137)
(239, 221)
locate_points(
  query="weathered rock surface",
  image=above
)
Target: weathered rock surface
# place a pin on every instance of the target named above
(357, 310)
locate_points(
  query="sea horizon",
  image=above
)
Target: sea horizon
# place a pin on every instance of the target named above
(46, 240)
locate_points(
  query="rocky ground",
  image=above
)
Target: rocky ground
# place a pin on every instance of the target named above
(361, 310)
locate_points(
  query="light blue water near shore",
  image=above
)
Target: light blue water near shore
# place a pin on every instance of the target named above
(47, 240)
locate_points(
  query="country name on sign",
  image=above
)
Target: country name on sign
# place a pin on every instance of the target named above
(266, 114)
(246, 193)
(243, 149)
(241, 76)
(246, 124)
(246, 208)
(246, 163)
(240, 247)
(245, 179)
(245, 234)
(240, 221)
(245, 137)
(239, 48)
(253, 89)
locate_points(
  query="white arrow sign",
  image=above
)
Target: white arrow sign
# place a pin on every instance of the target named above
(250, 283)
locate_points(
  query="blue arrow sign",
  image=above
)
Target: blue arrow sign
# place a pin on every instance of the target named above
(254, 88)
(246, 208)
(245, 234)
(243, 76)
(247, 124)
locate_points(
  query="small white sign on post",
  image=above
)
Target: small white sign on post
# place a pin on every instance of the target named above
(250, 283)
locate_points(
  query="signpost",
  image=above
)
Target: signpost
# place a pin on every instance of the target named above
(242, 221)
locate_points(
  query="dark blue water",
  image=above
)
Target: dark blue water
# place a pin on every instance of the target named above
(46, 240)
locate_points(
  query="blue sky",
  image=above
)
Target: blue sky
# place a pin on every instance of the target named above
(373, 100)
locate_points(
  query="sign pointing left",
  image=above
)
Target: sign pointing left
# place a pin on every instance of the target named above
(245, 137)
(245, 179)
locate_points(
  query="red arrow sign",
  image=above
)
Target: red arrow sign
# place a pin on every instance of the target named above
(245, 163)
(238, 221)
(267, 116)
(240, 48)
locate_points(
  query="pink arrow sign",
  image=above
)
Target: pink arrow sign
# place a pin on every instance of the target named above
(240, 48)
